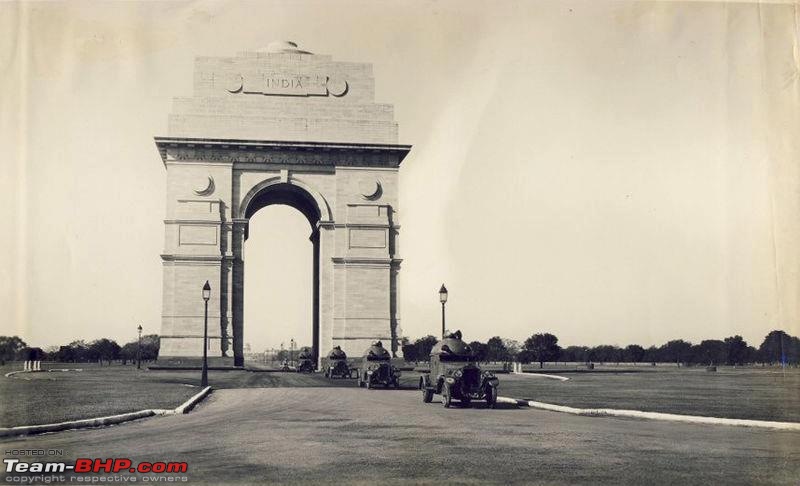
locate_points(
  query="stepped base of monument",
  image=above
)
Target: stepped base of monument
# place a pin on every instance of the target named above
(216, 363)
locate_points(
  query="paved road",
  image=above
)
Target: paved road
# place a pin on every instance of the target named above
(350, 435)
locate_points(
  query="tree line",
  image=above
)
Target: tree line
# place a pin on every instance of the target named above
(12, 348)
(778, 347)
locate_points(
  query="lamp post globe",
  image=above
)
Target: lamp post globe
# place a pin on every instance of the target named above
(443, 300)
(206, 297)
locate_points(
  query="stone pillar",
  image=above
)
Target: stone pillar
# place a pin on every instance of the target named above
(317, 352)
(237, 287)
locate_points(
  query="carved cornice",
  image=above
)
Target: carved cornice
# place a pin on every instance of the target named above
(358, 261)
(281, 153)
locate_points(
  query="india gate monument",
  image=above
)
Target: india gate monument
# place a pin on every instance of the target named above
(280, 126)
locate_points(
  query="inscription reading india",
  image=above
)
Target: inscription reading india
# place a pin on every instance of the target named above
(283, 85)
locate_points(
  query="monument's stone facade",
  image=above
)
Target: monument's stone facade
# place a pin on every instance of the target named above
(281, 126)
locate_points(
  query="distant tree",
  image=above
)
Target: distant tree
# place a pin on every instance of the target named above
(496, 350)
(128, 352)
(543, 347)
(424, 346)
(605, 353)
(80, 351)
(513, 348)
(410, 353)
(779, 347)
(711, 352)
(652, 354)
(10, 346)
(678, 351)
(525, 356)
(634, 353)
(104, 350)
(31, 354)
(736, 352)
(151, 343)
(479, 350)
(578, 354)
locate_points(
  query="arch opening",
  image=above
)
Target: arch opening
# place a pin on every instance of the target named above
(273, 193)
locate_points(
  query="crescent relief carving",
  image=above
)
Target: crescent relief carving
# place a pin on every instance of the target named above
(208, 190)
(370, 189)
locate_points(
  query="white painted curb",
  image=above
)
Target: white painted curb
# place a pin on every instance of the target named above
(189, 404)
(667, 417)
(186, 407)
(12, 373)
(544, 375)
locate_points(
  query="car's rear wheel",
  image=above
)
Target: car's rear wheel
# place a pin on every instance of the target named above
(466, 401)
(447, 399)
(427, 395)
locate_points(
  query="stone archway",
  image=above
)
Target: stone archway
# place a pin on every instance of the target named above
(281, 127)
(270, 192)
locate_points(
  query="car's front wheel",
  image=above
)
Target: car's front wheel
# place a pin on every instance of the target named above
(447, 399)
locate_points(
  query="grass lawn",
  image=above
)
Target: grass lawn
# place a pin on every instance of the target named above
(745, 393)
(43, 398)
(748, 393)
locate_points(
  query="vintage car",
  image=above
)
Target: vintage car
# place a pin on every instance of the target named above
(337, 364)
(376, 368)
(305, 362)
(454, 374)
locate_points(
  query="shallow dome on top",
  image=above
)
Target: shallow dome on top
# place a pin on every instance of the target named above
(337, 353)
(452, 345)
(377, 352)
(283, 47)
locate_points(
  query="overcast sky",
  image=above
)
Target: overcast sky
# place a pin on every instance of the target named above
(608, 172)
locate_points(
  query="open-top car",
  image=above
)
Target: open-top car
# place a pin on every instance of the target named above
(376, 368)
(337, 366)
(305, 362)
(455, 374)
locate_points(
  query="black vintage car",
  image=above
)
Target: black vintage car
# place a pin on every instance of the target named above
(337, 366)
(455, 374)
(376, 368)
(305, 362)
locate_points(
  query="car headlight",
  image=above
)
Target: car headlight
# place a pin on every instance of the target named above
(369, 372)
(449, 380)
(458, 373)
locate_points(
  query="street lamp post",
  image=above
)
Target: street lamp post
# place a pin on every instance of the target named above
(443, 300)
(139, 349)
(206, 296)
(291, 351)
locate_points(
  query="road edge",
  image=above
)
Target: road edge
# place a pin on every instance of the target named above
(185, 407)
(666, 417)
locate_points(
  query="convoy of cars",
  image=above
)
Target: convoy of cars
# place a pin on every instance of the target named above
(454, 371)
